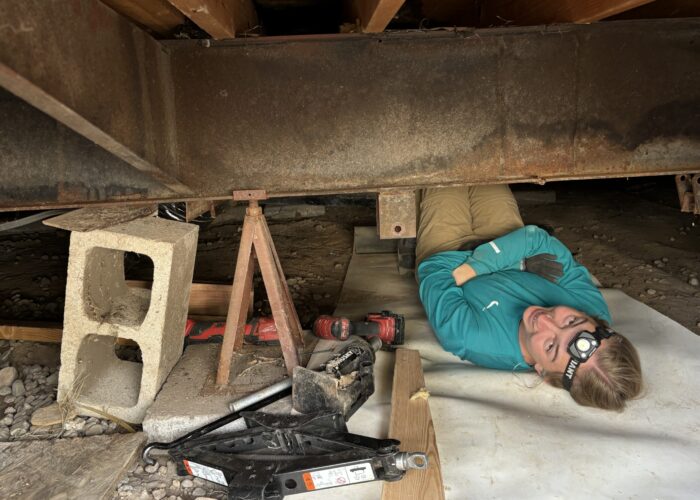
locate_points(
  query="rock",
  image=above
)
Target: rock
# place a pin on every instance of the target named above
(52, 379)
(5, 390)
(151, 469)
(4, 433)
(199, 482)
(18, 388)
(187, 483)
(693, 282)
(205, 498)
(77, 425)
(198, 492)
(7, 420)
(48, 415)
(651, 291)
(664, 259)
(7, 376)
(154, 485)
(159, 493)
(10, 409)
(175, 484)
(94, 430)
(17, 432)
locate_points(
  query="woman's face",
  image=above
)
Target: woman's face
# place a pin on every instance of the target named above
(545, 333)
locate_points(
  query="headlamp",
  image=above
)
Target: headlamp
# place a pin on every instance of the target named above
(581, 348)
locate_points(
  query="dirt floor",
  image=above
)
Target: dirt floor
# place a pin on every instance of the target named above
(629, 233)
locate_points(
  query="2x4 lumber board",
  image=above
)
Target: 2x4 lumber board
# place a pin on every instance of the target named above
(112, 89)
(208, 302)
(88, 467)
(32, 332)
(206, 299)
(375, 15)
(532, 12)
(156, 15)
(412, 424)
(220, 18)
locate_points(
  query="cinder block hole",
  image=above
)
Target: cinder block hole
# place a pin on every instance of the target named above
(128, 352)
(138, 267)
(108, 299)
(102, 378)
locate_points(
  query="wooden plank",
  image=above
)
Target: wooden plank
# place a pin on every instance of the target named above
(412, 424)
(156, 15)
(208, 302)
(220, 18)
(206, 299)
(35, 332)
(375, 15)
(91, 218)
(38, 332)
(88, 467)
(533, 12)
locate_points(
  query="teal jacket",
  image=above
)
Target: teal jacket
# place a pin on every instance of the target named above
(479, 320)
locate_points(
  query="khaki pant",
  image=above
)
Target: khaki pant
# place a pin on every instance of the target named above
(450, 217)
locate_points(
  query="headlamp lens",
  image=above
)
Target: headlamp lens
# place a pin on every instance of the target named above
(583, 345)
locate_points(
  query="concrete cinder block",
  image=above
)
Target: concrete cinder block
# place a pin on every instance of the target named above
(188, 399)
(100, 307)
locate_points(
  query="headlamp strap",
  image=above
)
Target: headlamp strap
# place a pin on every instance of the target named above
(569, 373)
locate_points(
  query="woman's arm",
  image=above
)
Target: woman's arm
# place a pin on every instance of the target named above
(451, 317)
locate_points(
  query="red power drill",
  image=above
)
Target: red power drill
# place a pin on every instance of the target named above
(389, 327)
(258, 331)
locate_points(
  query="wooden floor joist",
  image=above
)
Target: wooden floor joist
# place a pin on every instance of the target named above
(412, 424)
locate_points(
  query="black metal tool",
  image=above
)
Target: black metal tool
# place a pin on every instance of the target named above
(212, 426)
(343, 385)
(280, 455)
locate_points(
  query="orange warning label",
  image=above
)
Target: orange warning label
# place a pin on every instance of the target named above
(309, 482)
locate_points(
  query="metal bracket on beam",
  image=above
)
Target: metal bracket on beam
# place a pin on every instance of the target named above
(688, 186)
(250, 194)
(396, 214)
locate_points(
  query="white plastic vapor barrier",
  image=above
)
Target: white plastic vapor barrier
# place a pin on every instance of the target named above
(504, 435)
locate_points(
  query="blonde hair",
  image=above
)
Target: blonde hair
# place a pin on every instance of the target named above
(614, 379)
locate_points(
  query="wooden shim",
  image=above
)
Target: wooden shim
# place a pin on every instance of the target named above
(87, 467)
(532, 12)
(220, 18)
(375, 15)
(92, 218)
(156, 15)
(412, 424)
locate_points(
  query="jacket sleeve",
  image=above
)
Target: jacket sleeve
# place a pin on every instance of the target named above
(451, 316)
(508, 252)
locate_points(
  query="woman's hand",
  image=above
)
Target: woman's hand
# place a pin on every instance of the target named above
(463, 273)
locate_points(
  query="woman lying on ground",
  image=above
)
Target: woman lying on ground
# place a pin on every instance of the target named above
(519, 301)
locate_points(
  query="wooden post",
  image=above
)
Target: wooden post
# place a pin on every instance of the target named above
(256, 236)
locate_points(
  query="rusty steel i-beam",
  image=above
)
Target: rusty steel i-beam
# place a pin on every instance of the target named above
(195, 119)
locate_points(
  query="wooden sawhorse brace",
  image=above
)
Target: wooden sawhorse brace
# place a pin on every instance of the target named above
(256, 235)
